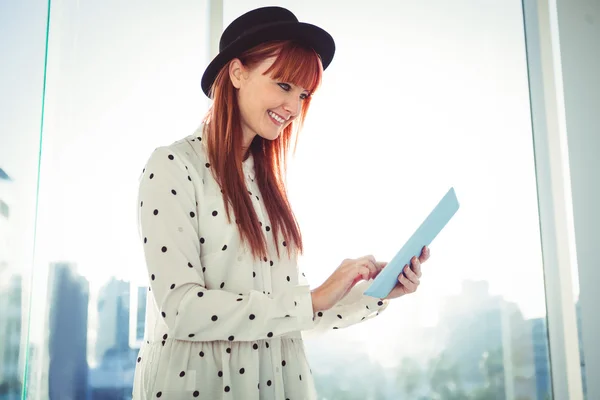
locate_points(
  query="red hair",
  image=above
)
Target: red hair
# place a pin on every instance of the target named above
(294, 64)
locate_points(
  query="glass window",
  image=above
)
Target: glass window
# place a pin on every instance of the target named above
(440, 95)
(22, 42)
(122, 79)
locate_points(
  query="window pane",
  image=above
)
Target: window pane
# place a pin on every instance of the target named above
(22, 41)
(423, 96)
(123, 77)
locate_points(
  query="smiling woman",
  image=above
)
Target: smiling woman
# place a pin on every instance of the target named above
(227, 303)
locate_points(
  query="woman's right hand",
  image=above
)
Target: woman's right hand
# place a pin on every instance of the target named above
(348, 274)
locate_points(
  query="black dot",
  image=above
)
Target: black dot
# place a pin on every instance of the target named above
(227, 389)
(300, 377)
(192, 214)
(215, 213)
(151, 176)
(252, 316)
(265, 259)
(145, 240)
(200, 294)
(153, 277)
(164, 249)
(163, 314)
(191, 335)
(268, 383)
(267, 345)
(253, 274)
(173, 191)
(222, 285)
(190, 265)
(182, 374)
(163, 343)
(203, 269)
(228, 350)
(189, 178)
(142, 204)
(288, 278)
(158, 394)
(207, 165)
(202, 240)
(139, 359)
(283, 363)
(155, 212)
(231, 338)
(270, 334)
(239, 299)
(284, 243)
(196, 393)
(224, 248)
(242, 370)
(255, 346)
(220, 374)
(268, 228)
(339, 316)
(214, 318)
(201, 354)
(165, 336)
(257, 196)
(335, 327)
(173, 286)
(380, 303)
(171, 157)
(271, 263)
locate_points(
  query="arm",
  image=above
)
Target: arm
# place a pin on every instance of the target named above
(169, 231)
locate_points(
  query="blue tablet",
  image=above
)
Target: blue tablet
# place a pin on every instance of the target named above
(429, 229)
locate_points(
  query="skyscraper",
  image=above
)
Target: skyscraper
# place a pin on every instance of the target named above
(68, 293)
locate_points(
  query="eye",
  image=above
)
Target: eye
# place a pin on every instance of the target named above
(285, 86)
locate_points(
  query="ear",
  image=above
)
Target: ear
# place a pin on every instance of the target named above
(236, 72)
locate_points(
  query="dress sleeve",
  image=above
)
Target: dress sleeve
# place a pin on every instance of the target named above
(168, 227)
(352, 309)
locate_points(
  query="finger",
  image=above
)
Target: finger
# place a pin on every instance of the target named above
(424, 254)
(411, 275)
(409, 287)
(416, 266)
(372, 266)
(380, 265)
(364, 272)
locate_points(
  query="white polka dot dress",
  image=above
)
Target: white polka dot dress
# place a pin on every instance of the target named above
(219, 324)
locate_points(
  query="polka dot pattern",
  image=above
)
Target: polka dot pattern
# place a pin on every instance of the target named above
(220, 315)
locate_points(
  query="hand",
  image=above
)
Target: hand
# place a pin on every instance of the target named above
(348, 274)
(409, 279)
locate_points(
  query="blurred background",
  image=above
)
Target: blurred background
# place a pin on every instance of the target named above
(422, 96)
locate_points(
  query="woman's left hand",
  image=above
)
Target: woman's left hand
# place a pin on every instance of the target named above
(409, 278)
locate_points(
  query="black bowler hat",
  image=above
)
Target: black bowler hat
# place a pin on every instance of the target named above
(264, 25)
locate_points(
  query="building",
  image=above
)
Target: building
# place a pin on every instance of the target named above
(113, 318)
(11, 358)
(67, 320)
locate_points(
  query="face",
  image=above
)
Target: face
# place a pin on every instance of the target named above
(266, 105)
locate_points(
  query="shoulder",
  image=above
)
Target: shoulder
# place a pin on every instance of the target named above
(184, 153)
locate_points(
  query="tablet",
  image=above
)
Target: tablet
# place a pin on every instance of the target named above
(429, 229)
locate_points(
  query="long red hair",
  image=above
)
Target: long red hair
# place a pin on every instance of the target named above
(223, 131)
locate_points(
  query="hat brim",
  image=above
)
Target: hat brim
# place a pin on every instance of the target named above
(304, 33)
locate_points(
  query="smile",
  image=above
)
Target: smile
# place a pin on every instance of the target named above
(276, 118)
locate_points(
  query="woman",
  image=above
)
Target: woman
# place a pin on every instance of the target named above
(226, 302)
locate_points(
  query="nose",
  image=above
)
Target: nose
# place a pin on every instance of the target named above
(293, 105)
